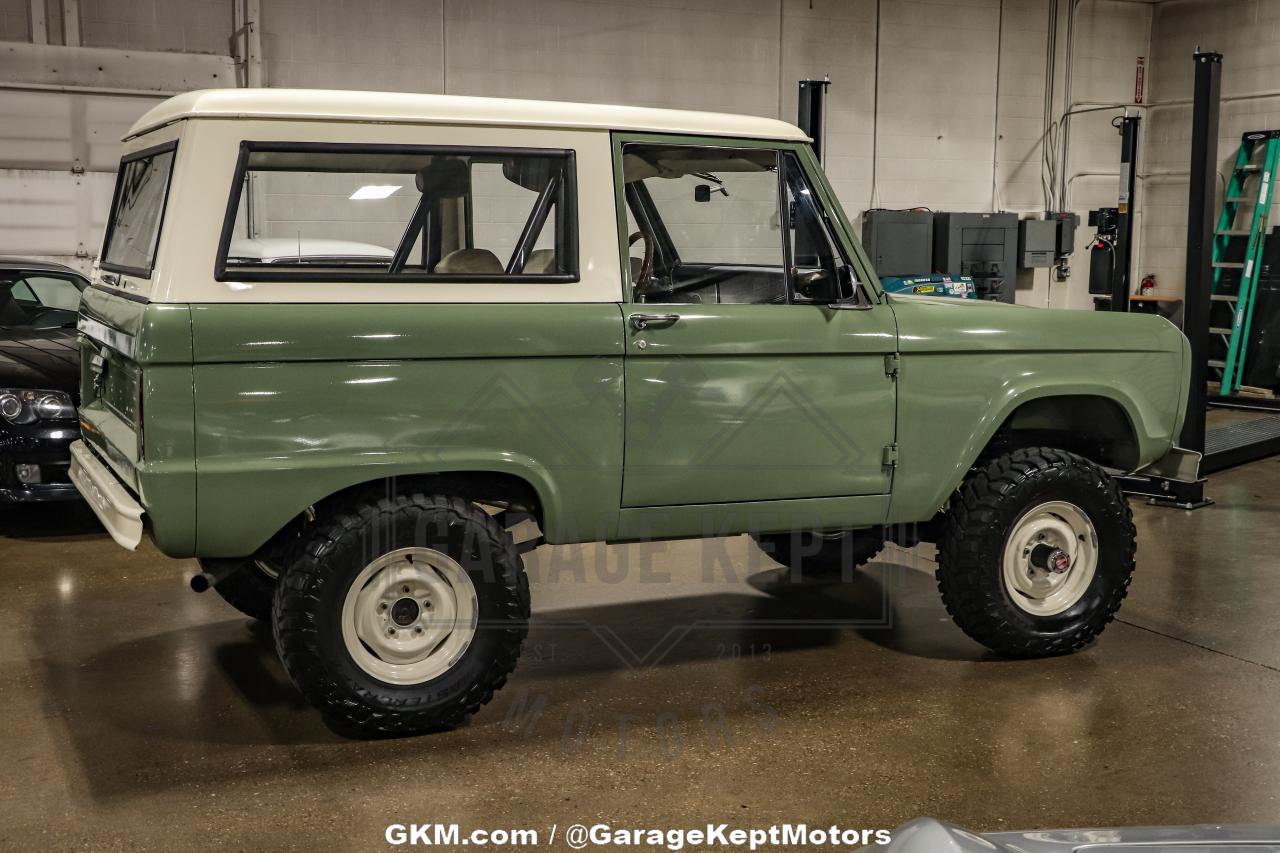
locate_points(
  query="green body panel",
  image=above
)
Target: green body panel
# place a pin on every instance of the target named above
(285, 405)
(699, 521)
(298, 402)
(758, 402)
(967, 365)
(734, 418)
(159, 464)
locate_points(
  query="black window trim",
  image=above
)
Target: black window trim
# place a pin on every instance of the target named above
(789, 161)
(139, 272)
(247, 147)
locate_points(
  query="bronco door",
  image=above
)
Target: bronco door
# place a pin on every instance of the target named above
(757, 366)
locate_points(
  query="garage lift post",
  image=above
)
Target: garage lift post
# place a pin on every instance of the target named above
(1128, 126)
(1200, 223)
(811, 112)
(1165, 488)
(1235, 443)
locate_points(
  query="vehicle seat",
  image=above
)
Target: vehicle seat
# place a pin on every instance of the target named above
(541, 262)
(11, 313)
(470, 261)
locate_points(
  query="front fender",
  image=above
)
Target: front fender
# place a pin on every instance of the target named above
(952, 404)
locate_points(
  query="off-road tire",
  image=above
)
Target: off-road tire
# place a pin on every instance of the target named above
(309, 600)
(982, 514)
(804, 553)
(248, 588)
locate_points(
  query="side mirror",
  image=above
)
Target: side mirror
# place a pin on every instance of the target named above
(702, 192)
(847, 296)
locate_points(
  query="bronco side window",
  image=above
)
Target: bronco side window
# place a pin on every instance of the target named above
(706, 224)
(321, 212)
(137, 211)
(728, 225)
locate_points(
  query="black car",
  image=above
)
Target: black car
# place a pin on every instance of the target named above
(39, 378)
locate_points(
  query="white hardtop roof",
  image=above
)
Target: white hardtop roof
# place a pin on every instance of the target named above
(397, 108)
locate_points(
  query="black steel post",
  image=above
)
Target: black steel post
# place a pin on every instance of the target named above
(1120, 289)
(810, 114)
(1200, 221)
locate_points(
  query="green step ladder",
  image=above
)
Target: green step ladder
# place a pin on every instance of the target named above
(1250, 191)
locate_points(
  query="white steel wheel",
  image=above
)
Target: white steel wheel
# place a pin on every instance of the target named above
(409, 616)
(1050, 558)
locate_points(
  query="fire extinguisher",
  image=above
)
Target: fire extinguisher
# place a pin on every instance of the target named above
(1148, 286)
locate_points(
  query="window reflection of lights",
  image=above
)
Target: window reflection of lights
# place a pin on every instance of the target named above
(373, 191)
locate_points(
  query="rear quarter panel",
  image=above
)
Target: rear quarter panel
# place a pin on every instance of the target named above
(295, 403)
(966, 366)
(154, 352)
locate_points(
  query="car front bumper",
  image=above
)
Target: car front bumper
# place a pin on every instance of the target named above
(45, 447)
(114, 505)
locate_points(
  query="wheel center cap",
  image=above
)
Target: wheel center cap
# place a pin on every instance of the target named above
(1049, 559)
(405, 612)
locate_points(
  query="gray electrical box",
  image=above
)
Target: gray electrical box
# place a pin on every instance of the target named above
(981, 245)
(1037, 242)
(899, 242)
(1067, 223)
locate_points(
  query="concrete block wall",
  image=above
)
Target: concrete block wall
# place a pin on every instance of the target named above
(1247, 33)
(937, 116)
(15, 20)
(386, 45)
(189, 26)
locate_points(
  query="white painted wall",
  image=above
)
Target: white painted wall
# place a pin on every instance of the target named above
(1110, 36)
(955, 122)
(60, 140)
(58, 158)
(953, 119)
(15, 20)
(189, 26)
(1247, 33)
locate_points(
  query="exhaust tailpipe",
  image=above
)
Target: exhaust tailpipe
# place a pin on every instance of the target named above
(215, 572)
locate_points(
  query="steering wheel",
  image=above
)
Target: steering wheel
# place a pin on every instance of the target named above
(646, 266)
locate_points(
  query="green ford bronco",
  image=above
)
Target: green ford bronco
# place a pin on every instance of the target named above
(339, 343)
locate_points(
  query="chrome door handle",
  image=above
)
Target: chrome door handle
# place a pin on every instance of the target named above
(640, 322)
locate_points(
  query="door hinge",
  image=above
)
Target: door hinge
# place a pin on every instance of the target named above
(890, 456)
(891, 364)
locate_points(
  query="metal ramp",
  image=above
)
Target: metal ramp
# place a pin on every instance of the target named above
(1237, 443)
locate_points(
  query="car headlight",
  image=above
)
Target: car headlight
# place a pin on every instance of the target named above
(28, 405)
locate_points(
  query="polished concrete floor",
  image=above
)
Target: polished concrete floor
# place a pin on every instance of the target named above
(670, 684)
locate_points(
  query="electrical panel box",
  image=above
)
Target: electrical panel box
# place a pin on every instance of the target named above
(981, 245)
(1066, 224)
(899, 242)
(1037, 242)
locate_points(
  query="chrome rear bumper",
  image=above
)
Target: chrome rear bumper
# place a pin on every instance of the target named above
(109, 499)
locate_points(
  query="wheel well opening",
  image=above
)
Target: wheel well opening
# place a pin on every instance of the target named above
(1093, 427)
(504, 492)
(490, 488)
